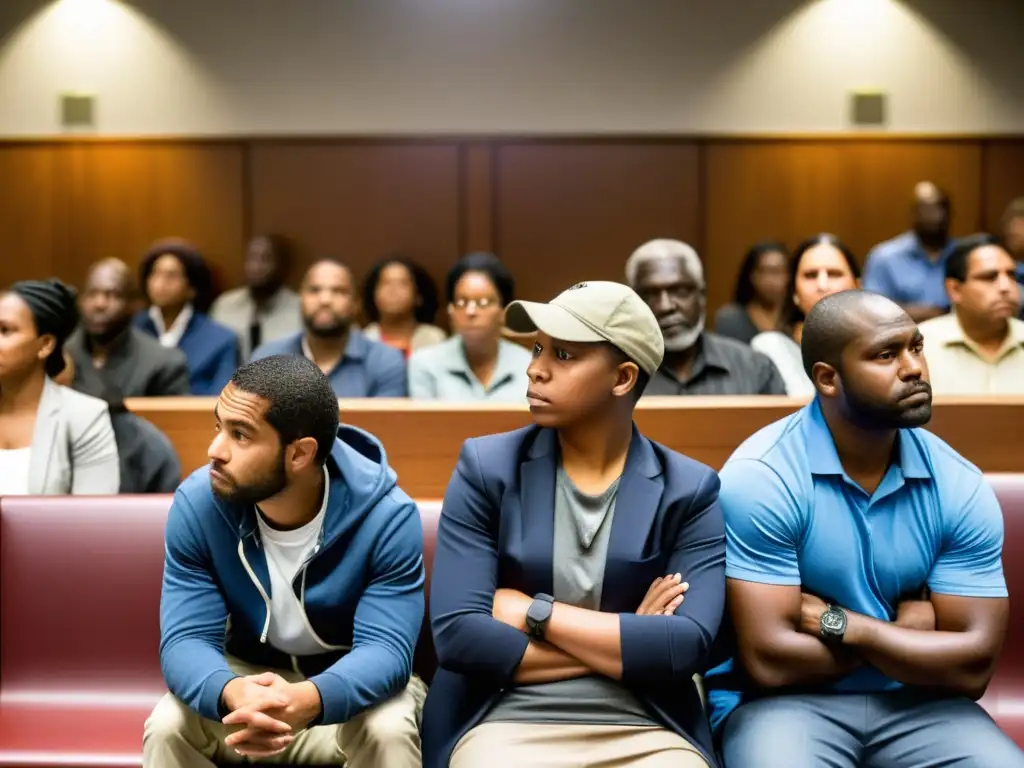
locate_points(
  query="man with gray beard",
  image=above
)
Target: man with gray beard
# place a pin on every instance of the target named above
(668, 274)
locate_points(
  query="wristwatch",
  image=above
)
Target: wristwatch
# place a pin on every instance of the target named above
(833, 623)
(537, 615)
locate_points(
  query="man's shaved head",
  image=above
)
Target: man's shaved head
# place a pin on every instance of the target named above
(115, 268)
(836, 320)
(866, 355)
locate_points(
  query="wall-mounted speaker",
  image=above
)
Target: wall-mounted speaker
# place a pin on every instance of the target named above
(869, 108)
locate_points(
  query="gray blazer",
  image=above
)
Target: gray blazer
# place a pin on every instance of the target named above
(73, 446)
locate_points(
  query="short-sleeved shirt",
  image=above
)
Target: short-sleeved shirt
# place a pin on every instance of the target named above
(793, 517)
(721, 367)
(901, 270)
(366, 368)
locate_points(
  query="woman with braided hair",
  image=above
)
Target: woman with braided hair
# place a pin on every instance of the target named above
(53, 440)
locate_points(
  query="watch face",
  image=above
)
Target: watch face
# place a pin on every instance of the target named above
(832, 620)
(833, 623)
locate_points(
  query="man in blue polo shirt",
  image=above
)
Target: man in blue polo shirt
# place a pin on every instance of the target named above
(355, 365)
(864, 570)
(911, 269)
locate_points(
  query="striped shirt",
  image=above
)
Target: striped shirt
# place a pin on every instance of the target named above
(722, 367)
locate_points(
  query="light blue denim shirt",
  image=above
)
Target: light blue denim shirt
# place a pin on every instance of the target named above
(441, 372)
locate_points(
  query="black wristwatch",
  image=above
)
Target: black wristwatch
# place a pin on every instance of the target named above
(537, 615)
(833, 623)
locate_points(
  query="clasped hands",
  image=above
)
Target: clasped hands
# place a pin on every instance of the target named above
(269, 711)
(663, 597)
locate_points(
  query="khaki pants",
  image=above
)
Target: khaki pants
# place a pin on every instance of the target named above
(385, 736)
(552, 745)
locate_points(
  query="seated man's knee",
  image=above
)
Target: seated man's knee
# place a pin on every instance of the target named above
(170, 719)
(391, 723)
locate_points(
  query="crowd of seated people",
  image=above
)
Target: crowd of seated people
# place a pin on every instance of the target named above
(164, 334)
(585, 577)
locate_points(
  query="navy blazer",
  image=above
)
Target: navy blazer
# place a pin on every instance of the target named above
(497, 530)
(211, 351)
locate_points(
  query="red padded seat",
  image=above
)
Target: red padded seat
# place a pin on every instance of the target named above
(1005, 697)
(79, 626)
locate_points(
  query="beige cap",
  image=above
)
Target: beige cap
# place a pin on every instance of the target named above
(593, 311)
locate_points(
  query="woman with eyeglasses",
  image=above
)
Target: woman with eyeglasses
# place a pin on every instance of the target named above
(476, 363)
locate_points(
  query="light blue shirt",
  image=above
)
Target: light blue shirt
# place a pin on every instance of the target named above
(793, 517)
(900, 269)
(441, 372)
(366, 368)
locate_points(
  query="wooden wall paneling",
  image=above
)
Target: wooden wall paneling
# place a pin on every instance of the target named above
(359, 201)
(125, 195)
(884, 174)
(32, 229)
(477, 197)
(860, 190)
(573, 211)
(1003, 180)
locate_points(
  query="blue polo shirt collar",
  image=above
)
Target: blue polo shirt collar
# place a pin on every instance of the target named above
(919, 252)
(824, 460)
(355, 348)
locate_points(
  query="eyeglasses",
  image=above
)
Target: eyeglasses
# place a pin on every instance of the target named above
(484, 303)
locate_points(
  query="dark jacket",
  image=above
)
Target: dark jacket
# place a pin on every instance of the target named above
(137, 366)
(149, 463)
(497, 530)
(362, 589)
(210, 348)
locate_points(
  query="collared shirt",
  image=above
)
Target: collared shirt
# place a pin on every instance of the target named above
(957, 366)
(137, 365)
(171, 337)
(902, 270)
(793, 517)
(365, 369)
(722, 366)
(441, 372)
(279, 317)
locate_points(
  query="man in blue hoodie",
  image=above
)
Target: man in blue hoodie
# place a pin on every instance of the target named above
(293, 589)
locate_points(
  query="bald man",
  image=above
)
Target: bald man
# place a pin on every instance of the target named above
(911, 269)
(863, 569)
(111, 355)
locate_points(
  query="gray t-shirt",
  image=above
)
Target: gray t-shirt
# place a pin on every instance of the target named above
(582, 525)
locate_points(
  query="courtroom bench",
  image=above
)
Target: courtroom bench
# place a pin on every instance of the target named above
(422, 439)
(79, 625)
(80, 585)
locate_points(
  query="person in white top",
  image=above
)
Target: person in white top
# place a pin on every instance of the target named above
(821, 265)
(293, 589)
(53, 440)
(978, 348)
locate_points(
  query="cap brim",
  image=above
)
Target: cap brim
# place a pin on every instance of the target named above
(556, 322)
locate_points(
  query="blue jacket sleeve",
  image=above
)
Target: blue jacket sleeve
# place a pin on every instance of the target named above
(390, 379)
(193, 616)
(658, 650)
(387, 622)
(468, 640)
(227, 362)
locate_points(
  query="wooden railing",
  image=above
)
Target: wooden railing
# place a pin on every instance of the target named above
(422, 439)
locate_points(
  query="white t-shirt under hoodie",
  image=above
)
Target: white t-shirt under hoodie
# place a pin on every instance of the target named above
(287, 551)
